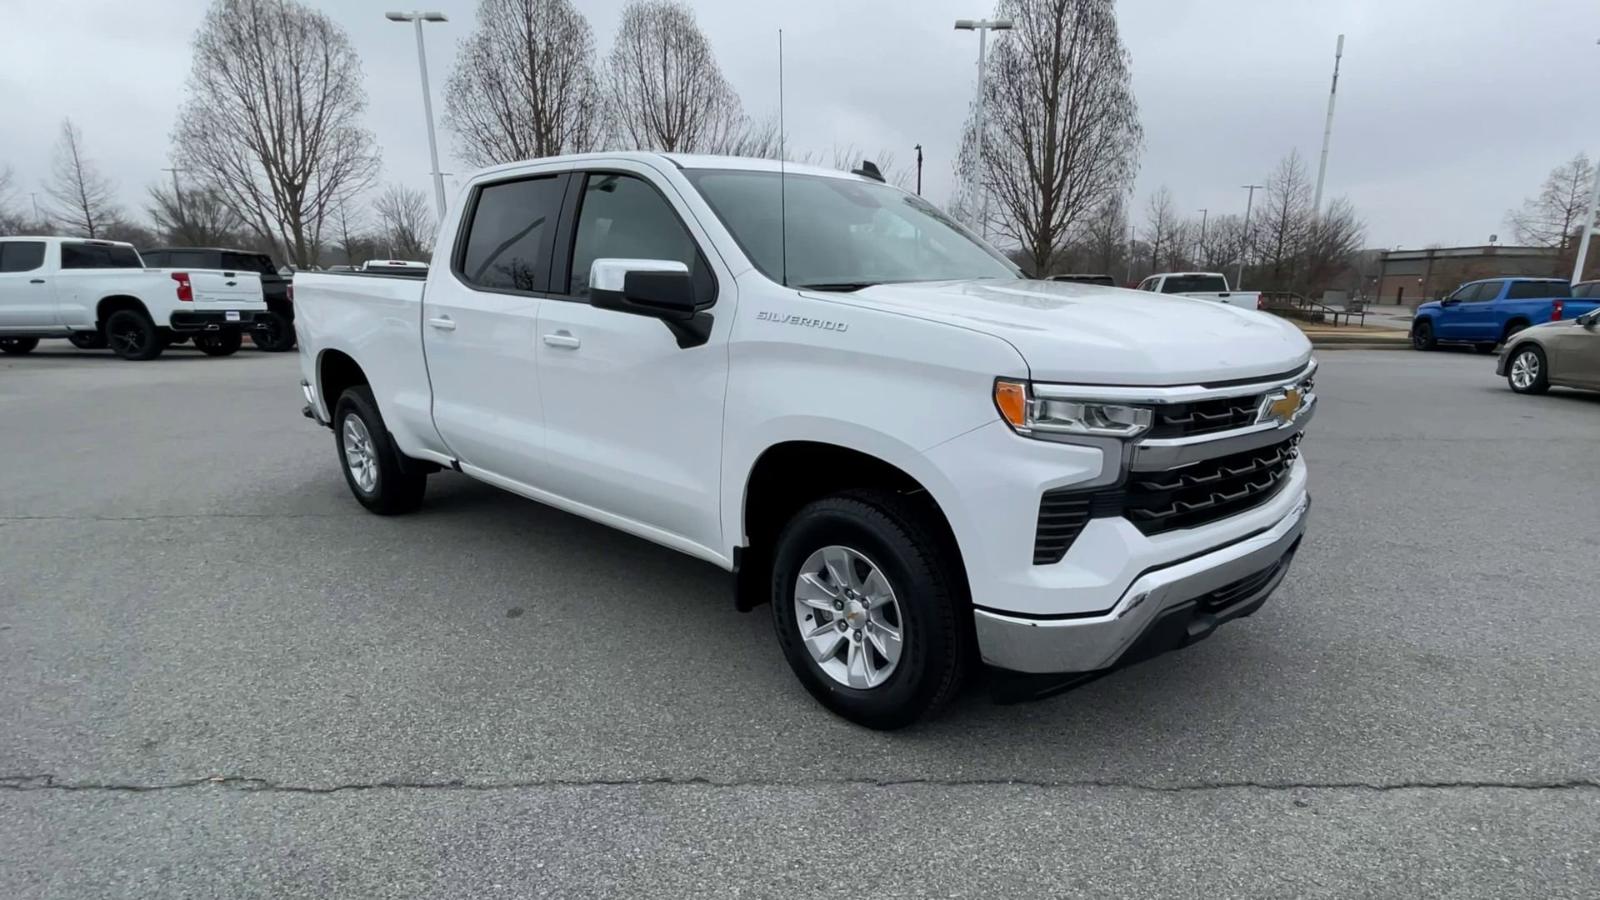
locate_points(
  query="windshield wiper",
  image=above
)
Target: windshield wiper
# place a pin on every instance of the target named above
(841, 286)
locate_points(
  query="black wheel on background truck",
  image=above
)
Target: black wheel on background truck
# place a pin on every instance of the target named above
(18, 346)
(1511, 330)
(1422, 336)
(87, 340)
(869, 611)
(132, 335)
(383, 480)
(273, 333)
(219, 343)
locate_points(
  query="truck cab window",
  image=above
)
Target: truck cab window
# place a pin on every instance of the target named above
(508, 240)
(623, 217)
(98, 256)
(21, 256)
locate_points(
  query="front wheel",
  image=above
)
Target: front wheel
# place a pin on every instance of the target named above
(1528, 372)
(219, 343)
(383, 480)
(18, 346)
(1422, 336)
(868, 609)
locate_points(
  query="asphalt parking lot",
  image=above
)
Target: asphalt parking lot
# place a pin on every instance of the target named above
(220, 677)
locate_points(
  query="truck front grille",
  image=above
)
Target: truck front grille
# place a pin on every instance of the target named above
(1205, 416)
(1193, 495)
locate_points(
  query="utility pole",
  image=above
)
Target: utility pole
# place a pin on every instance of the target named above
(1244, 250)
(1588, 227)
(38, 219)
(982, 27)
(919, 170)
(1130, 255)
(1200, 248)
(1327, 130)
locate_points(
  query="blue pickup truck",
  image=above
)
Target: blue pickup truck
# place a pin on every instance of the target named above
(1486, 313)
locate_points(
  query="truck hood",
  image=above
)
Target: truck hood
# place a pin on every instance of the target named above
(1090, 334)
(1431, 304)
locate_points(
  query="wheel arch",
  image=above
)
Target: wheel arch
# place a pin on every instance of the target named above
(337, 372)
(1514, 322)
(789, 474)
(114, 303)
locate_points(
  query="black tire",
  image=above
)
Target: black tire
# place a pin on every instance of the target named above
(219, 343)
(273, 333)
(87, 340)
(400, 482)
(1422, 336)
(1541, 380)
(893, 532)
(133, 336)
(1511, 331)
(18, 346)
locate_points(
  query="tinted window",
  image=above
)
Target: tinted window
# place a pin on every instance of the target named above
(249, 262)
(99, 256)
(508, 242)
(1586, 290)
(155, 259)
(1194, 284)
(1537, 290)
(623, 217)
(21, 256)
(192, 259)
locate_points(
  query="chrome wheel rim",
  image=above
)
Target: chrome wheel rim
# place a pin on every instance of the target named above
(1525, 369)
(359, 456)
(849, 617)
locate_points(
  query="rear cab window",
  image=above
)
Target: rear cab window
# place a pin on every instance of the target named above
(84, 255)
(21, 256)
(1538, 290)
(1194, 284)
(259, 263)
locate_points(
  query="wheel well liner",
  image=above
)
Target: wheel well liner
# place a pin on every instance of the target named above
(337, 372)
(789, 475)
(117, 303)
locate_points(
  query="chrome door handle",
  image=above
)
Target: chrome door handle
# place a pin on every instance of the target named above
(563, 339)
(443, 323)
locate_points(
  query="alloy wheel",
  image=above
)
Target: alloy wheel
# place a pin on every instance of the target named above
(1525, 369)
(359, 454)
(849, 617)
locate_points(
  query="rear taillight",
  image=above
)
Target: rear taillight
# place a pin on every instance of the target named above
(1555, 310)
(185, 290)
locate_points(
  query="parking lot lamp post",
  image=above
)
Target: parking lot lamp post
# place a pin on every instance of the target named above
(982, 27)
(1588, 225)
(1244, 249)
(417, 18)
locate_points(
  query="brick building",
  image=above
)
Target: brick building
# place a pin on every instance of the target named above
(1409, 277)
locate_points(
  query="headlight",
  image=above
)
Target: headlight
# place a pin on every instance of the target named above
(1027, 414)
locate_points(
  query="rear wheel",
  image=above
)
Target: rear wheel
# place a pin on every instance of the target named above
(1422, 336)
(1511, 331)
(87, 340)
(133, 336)
(273, 333)
(18, 346)
(383, 480)
(1528, 372)
(219, 343)
(868, 608)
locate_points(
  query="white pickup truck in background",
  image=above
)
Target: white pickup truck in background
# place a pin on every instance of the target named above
(919, 458)
(1202, 286)
(99, 293)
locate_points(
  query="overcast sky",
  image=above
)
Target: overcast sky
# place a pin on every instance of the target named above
(1449, 113)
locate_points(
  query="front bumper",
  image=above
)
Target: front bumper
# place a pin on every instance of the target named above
(1163, 609)
(216, 320)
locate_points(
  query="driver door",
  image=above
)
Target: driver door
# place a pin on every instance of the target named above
(633, 421)
(1458, 308)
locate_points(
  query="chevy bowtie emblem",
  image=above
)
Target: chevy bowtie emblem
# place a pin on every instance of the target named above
(1280, 407)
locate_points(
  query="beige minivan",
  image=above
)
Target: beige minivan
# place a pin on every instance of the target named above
(1564, 353)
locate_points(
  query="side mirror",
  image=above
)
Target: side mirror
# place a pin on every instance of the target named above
(661, 288)
(1449, 301)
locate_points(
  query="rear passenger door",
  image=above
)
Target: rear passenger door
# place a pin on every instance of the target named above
(27, 297)
(478, 326)
(633, 421)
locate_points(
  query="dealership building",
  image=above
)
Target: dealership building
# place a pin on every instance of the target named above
(1409, 277)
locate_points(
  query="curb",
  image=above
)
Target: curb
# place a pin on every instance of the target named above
(1362, 345)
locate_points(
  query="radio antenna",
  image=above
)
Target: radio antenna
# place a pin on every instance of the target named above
(783, 177)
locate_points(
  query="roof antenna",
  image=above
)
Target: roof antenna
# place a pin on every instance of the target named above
(783, 179)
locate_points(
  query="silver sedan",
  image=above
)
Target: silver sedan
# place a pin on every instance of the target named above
(1564, 353)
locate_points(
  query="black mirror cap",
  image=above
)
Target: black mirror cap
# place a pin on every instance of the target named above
(664, 295)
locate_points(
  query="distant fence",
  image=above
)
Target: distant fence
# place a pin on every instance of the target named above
(1297, 306)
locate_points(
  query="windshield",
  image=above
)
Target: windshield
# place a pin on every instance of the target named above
(842, 233)
(1194, 284)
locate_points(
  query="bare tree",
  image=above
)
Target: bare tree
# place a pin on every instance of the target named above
(11, 221)
(847, 157)
(1285, 223)
(197, 218)
(1104, 243)
(524, 84)
(84, 200)
(1161, 229)
(664, 89)
(1222, 245)
(1554, 217)
(1063, 131)
(272, 122)
(406, 225)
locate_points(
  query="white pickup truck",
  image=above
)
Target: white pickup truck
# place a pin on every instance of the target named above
(99, 293)
(1201, 286)
(919, 458)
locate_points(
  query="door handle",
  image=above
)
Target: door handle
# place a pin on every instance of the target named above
(443, 323)
(36, 281)
(563, 339)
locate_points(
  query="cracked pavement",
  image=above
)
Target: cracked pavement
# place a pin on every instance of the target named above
(218, 676)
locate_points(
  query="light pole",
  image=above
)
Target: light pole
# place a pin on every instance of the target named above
(919, 170)
(1244, 249)
(982, 27)
(417, 18)
(1201, 247)
(1588, 224)
(1327, 130)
